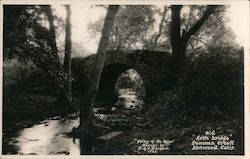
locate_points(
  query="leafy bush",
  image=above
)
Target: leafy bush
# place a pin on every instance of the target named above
(213, 85)
(217, 79)
(26, 77)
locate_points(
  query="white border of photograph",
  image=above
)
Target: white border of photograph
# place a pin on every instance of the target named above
(244, 16)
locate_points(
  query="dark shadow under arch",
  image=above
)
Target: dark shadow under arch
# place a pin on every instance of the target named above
(110, 74)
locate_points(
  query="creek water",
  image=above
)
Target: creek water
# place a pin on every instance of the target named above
(50, 136)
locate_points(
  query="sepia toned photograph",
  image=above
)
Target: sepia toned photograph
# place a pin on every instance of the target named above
(86, 78)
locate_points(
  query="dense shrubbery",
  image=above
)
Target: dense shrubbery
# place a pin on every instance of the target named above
(218, 78)
(212, 85)
(26, 77)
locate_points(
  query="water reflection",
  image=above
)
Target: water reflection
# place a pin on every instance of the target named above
(49, 137)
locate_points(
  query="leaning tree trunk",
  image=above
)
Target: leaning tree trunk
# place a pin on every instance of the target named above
(88, 97)
(67, 58)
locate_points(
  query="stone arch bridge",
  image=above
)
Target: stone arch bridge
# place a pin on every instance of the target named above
(153, 67)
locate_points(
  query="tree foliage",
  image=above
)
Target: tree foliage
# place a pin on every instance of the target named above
(189, 15)
(22, 31)
(27, 38)
(30, 36)
(131, 24)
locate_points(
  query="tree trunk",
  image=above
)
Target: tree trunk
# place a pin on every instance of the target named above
(88, 97)
(67, 57)
(178, 41)
(52, 39)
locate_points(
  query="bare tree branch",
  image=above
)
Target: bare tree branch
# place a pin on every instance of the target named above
(161, 25)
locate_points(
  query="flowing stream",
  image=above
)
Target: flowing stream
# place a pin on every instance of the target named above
(50, 137)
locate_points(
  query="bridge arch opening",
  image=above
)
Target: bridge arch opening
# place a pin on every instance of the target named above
(118, 82)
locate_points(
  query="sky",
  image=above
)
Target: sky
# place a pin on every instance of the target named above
(82, 15)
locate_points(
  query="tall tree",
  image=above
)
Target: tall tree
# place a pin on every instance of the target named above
(52, 38)
(88, 98)
(179, 40)
(67, 57)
